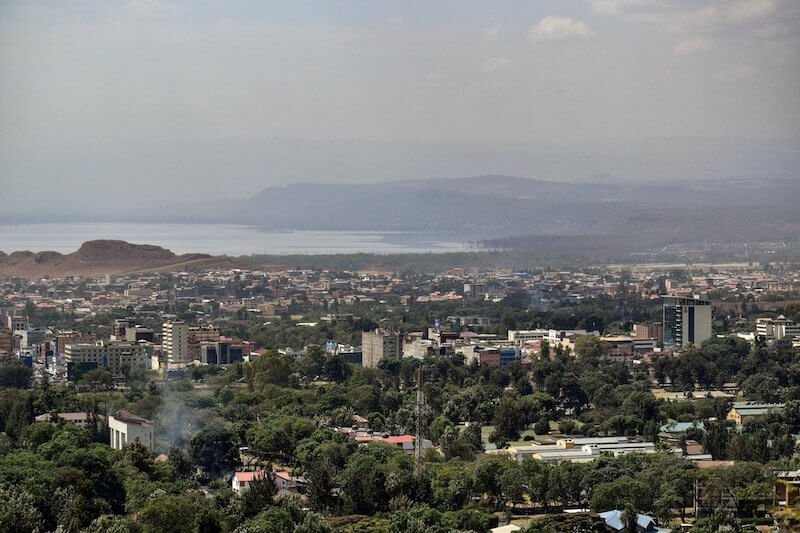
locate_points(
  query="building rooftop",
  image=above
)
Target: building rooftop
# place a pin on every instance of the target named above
(69, 417)
(130, 418)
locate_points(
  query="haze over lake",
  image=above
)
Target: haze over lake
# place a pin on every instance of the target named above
(221, 239)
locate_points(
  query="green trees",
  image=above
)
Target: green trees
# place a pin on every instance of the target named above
(568, 522)
(270, 368)
(20, 417)
(18, 512)
(590, 346)
(321, 476)
(97, 379)
(424, 519)
(14, 374)
(510, 419)
(215, 449)
(620, 493)
(273, 520)
(279, 436)
(743, 482)
(365, 480)
(175, 514)
(259, 495)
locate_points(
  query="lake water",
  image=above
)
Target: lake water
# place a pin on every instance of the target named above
(219, 239)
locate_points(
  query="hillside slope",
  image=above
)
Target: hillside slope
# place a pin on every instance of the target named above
(106, 257)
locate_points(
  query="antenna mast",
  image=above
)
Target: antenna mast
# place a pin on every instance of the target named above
(420, 407)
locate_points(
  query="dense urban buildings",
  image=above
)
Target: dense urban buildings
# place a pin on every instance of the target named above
(229, 376)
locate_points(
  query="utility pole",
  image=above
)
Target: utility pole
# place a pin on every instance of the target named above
(420, 408)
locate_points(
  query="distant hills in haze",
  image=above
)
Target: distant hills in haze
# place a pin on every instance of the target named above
(499, 206)
(505, 211)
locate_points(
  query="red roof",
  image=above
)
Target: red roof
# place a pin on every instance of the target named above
(400, 439)
(242, 477)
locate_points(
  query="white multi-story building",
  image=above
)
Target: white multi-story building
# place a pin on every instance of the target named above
(776, 328)
(112, 355)
(124, 428)
(529, 335)
(175, 342)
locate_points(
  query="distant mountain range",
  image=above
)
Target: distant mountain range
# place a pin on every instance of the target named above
(499, 206)
(486, 208)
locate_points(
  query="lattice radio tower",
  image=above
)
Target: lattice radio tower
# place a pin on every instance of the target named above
(420, 409)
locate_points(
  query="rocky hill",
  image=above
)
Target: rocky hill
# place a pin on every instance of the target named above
(107, 257)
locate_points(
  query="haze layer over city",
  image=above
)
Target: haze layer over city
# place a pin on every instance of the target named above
(419, 267)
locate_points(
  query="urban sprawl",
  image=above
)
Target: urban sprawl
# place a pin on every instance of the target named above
(614, 398)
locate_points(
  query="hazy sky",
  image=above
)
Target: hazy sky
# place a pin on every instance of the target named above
(222, 96)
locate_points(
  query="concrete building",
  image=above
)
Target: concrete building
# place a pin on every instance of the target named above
(649, 331)
(28, 338)
(198, 335)
(775, 329)
(221, 352)
(63, 338)
(687, 321)
(531, 335)
(112, 355)
(124, 428)
(17, 323)
(6, 341)
(121, 325)
(80, 419)
(175, 342)
(577, 450)
(377, 345)
(558, 336)
(741, 413)
(140, 333)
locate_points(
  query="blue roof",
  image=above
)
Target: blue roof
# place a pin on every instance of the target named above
(614, 520)
(681, 427)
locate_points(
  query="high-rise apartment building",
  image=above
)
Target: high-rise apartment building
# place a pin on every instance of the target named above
(687, 321)
(377, 345)
(175, 342)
